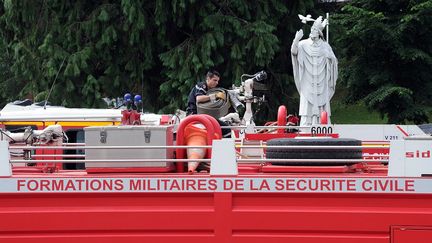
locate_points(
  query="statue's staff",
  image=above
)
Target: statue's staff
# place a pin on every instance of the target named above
(327, 28)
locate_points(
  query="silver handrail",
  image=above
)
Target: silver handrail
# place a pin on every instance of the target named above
(203, 146)
(330, 161)
(58, 155)
(18, 161)
(263, 127)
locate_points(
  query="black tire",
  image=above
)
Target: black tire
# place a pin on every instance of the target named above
(290, 153)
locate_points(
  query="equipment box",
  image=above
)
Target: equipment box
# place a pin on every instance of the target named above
(129, 136)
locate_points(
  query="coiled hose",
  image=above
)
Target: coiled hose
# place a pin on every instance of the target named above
(216, 109)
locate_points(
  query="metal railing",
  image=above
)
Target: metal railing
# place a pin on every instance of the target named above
(380, 158)
(248, 161)
(202, 146)
(267, 127)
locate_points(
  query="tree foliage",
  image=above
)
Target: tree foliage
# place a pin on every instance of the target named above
(386, 56)
(87, 50)
(96, 48)
(234, 37)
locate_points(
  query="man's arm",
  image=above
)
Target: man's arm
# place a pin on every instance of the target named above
(201, 93)
(202, 98)
(211, 97)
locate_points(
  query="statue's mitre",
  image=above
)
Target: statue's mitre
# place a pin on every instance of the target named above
(319, 23)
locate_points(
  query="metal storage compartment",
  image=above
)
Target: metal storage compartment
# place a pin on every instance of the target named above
(129, 136)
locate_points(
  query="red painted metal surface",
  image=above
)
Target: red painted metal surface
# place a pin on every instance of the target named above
(324, 117)
(49, 167)
(218, 216)
(307, 169)
(409, 234)
(213, 217)
(267, 136)
(372, 153)
(131, 117)
(281, 118)
(169, 168)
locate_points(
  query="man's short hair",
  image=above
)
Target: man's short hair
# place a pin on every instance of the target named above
(212, 73)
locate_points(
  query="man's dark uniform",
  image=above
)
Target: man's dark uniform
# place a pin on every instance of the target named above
(199, 89)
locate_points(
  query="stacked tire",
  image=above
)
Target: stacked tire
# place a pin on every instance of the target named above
(315, 153)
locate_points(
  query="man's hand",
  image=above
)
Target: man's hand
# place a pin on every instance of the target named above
(221, 95)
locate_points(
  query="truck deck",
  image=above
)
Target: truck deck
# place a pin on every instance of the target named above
(139, 194)
(75, 206)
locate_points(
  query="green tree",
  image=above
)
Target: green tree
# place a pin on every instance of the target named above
(234, 37)
(386, 56)
(86, 50)
(90, 49)
(8, 88)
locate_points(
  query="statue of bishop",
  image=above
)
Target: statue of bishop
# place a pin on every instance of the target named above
(315, 73)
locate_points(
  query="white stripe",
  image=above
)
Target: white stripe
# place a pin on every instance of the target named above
(218, 184)
(199, 88)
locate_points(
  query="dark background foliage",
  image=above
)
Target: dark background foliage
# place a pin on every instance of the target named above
(385, 55)
(87, 50)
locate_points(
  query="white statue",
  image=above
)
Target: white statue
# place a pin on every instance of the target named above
(315, 72)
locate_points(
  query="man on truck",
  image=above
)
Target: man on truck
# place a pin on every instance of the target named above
(199, 92)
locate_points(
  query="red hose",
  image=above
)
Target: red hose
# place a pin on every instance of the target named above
(213, 131)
